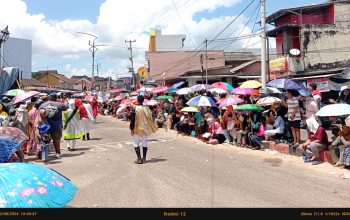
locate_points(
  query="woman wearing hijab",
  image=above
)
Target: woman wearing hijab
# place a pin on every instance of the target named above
(21, 117)
(38, 122)
(72, 128)
(344, 95)
(317, 142)
(33, 141)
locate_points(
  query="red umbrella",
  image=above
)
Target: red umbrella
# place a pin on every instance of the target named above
(115, 90)
(126, 102)
(22, 97)
(160, 89)
(16, 132)
(135, 102)
(134, 93)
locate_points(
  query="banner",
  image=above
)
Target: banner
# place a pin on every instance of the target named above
(278, 65)
(322, 84)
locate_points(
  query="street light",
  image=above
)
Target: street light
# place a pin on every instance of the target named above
(4, 36)
(93, 50)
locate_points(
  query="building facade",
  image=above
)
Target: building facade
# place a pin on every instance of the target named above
(160, 42)
(311, 40)
(52, 79)
(18, 53)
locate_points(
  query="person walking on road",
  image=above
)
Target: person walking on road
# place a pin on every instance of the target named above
(54, 111)
(141, 126)
(87, 117)
(72, 128)
(94, 106)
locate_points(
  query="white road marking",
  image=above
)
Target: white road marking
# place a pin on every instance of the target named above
(121, 144)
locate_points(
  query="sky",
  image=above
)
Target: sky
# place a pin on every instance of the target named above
(53, 25)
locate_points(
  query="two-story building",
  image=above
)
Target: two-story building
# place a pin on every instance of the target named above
(312, 42)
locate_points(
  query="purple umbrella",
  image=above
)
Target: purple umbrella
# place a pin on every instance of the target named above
(285, 84)
(200, 87)
(242, 91)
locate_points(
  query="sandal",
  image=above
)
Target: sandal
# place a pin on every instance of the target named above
(307, 159)
(316, 162)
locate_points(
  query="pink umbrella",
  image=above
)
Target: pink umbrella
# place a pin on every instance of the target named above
(134, 93)
(242, 91)
(230, 101)
(223, 85)
(22, 97)
(160, 89)
(115, 90)
(126, 102)
(152, 102)
(118, 98)
(16, 132)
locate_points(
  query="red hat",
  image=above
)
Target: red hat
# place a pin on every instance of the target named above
(255, 93)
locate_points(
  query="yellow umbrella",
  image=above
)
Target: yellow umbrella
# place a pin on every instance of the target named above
(189, 109)
(251, 84)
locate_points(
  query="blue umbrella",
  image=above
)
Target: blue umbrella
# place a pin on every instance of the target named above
(8, 145)
(201, 101)
(176, 85)
(26, 185)
(285, 84)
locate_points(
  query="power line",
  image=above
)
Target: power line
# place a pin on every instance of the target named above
(183, 24)
(191, 57)
(234, 19)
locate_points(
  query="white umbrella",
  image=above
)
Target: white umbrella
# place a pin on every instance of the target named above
(218, 90)
(266, 101)
(184, 91)
(334, 110)
(120, 109)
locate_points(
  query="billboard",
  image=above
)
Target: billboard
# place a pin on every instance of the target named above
(279, 64)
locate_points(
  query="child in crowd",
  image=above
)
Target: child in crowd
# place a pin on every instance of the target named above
(44, 142)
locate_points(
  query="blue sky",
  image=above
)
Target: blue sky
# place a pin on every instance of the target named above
(63, 18)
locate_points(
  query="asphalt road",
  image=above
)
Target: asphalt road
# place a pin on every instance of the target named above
(185, 172)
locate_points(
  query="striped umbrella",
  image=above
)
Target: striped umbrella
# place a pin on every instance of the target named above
(201, 101)
(223, 85)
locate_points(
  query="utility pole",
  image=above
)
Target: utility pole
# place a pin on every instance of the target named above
(93, 50)
(206, 61)
(201, 61)
(98, 65)
(132, 62)
(263, 44)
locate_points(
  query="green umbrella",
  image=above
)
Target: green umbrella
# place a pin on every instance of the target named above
(14, 92)
(248, 107)
(170, 92)
(164, 97)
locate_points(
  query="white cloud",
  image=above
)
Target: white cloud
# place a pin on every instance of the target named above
(118, 21)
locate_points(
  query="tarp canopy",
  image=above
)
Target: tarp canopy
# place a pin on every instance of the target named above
(7, 77)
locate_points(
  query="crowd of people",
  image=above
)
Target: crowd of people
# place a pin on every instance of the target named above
(280, 121)
(47, 119)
